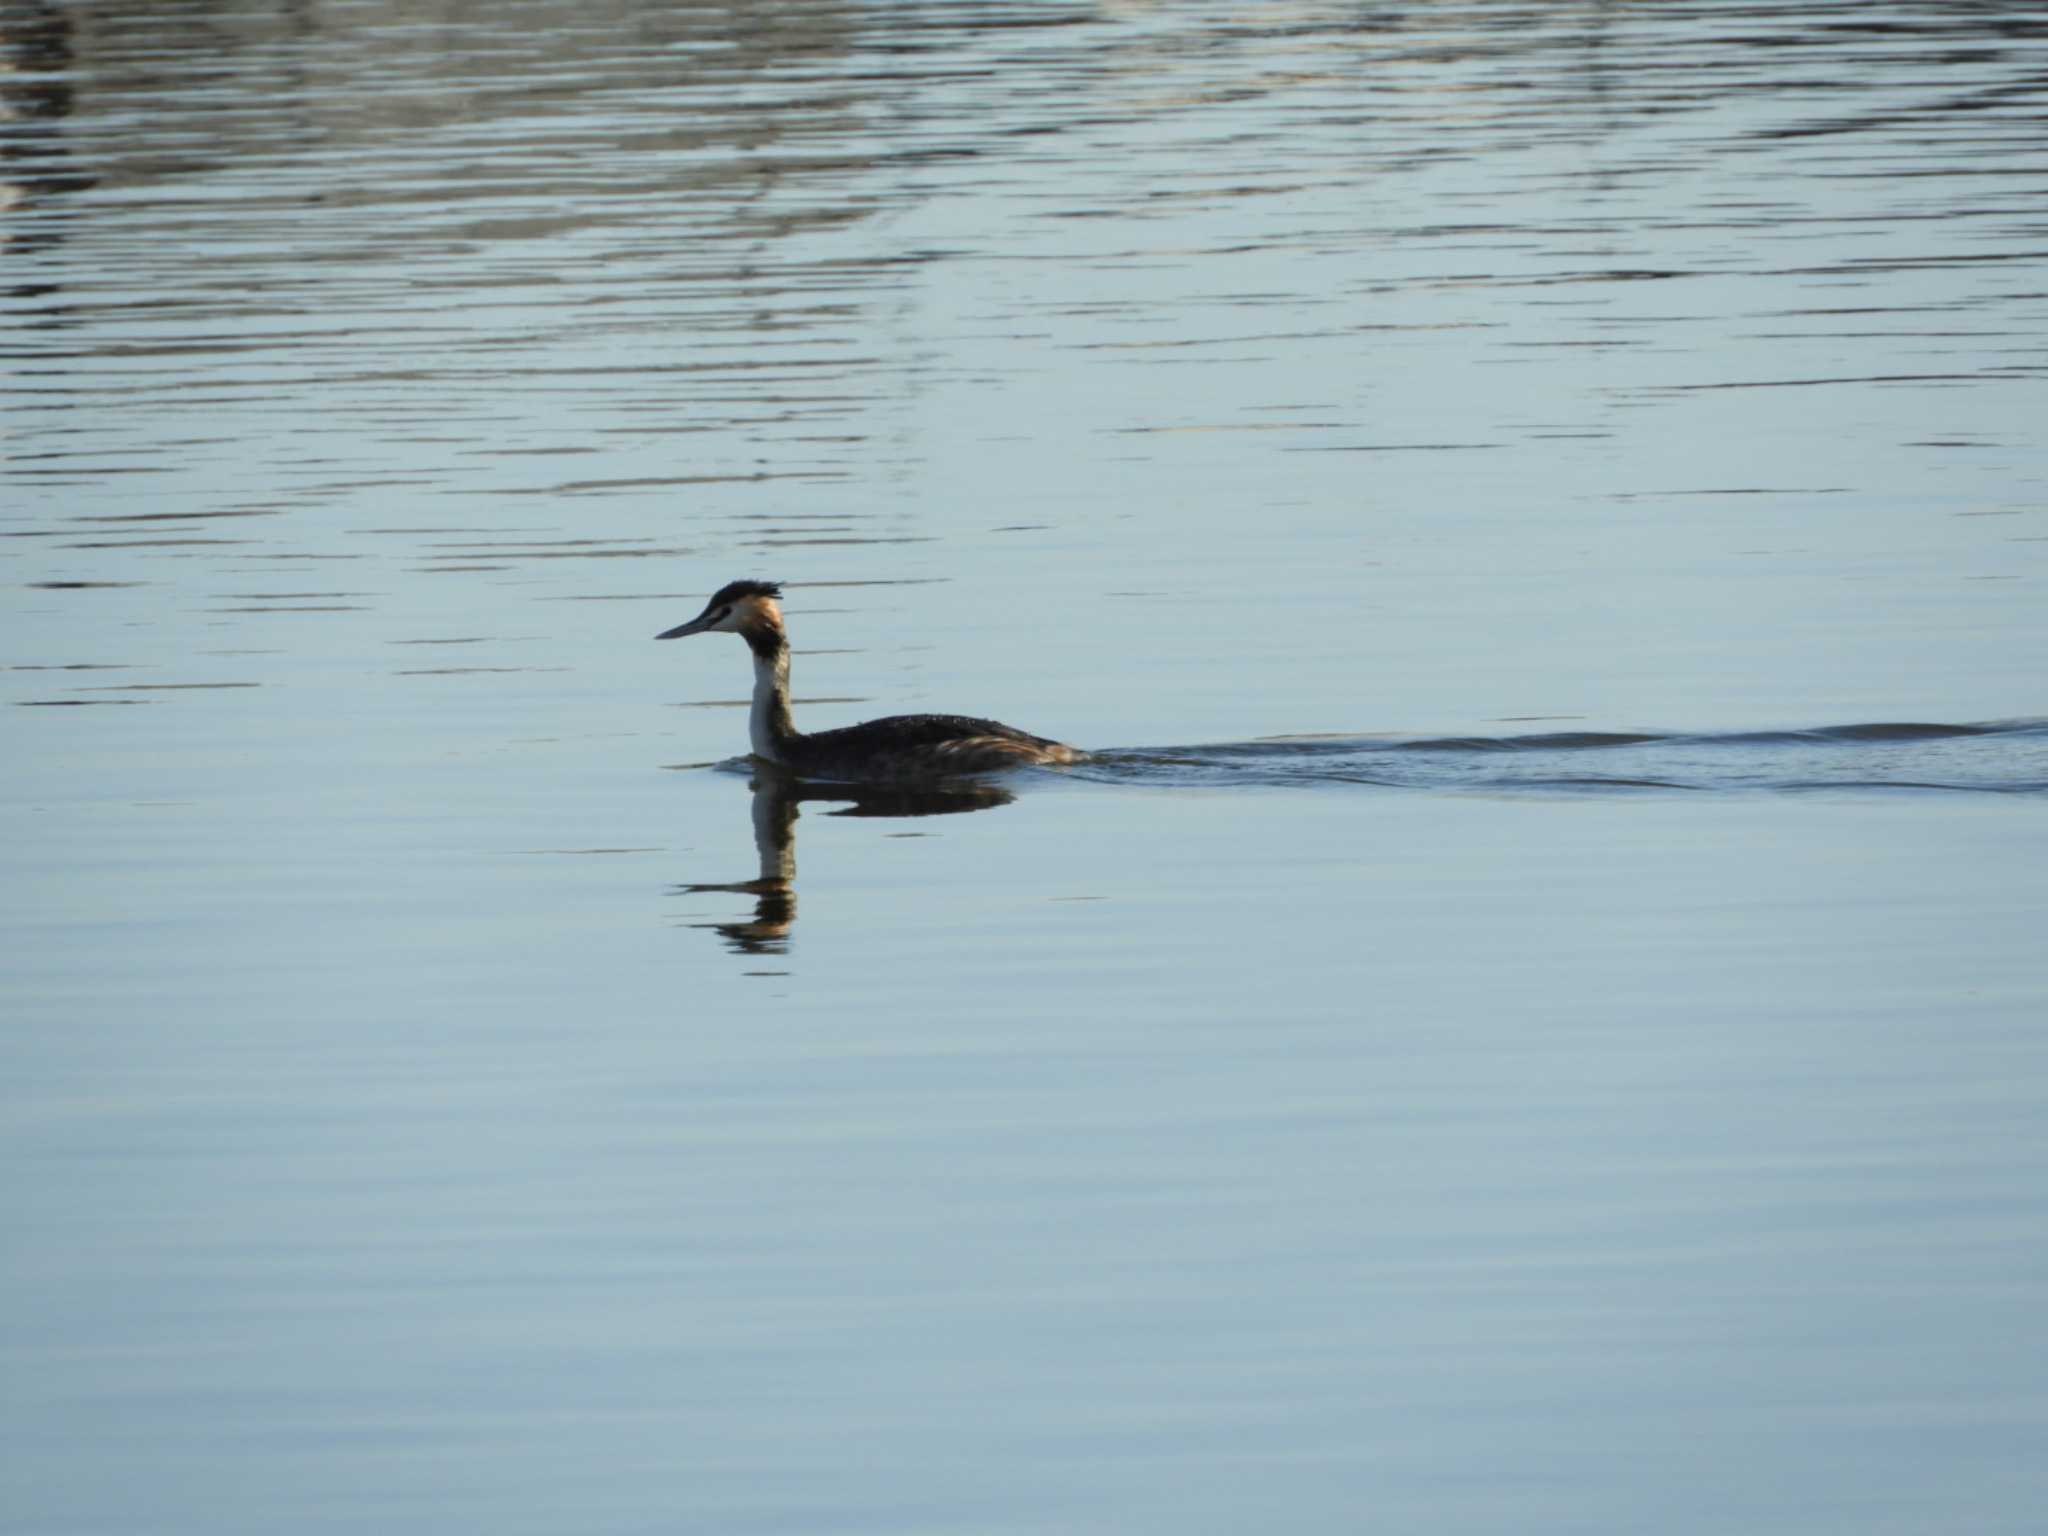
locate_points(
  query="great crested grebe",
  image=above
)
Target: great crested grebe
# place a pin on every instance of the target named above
(896, 748)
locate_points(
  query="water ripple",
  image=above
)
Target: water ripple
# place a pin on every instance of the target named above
(1998, 757)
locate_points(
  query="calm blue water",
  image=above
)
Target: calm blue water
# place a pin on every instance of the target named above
(1531, 1020)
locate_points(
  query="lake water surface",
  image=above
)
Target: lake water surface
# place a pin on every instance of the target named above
(1533, 1019)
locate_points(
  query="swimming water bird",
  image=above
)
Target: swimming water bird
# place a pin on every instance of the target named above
(898, 748)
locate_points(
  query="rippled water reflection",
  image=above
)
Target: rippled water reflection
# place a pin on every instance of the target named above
(2002, 758)
(418, 1090)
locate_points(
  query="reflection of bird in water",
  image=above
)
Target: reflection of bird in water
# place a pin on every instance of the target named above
(774, 893)
(897, 749)
(776, 799)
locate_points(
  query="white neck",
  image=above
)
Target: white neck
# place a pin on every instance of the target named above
(771, 705)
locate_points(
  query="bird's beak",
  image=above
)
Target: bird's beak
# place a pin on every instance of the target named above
(696, 626)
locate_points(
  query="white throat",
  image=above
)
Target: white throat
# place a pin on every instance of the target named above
(770, 681)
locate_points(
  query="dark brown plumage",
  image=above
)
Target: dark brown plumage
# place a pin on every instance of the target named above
(898, 748)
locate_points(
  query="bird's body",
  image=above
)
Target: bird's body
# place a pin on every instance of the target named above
(896, 748)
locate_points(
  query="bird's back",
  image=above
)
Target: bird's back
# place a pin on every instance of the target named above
(899, 746)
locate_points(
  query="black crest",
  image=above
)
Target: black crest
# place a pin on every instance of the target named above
(733, 591)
